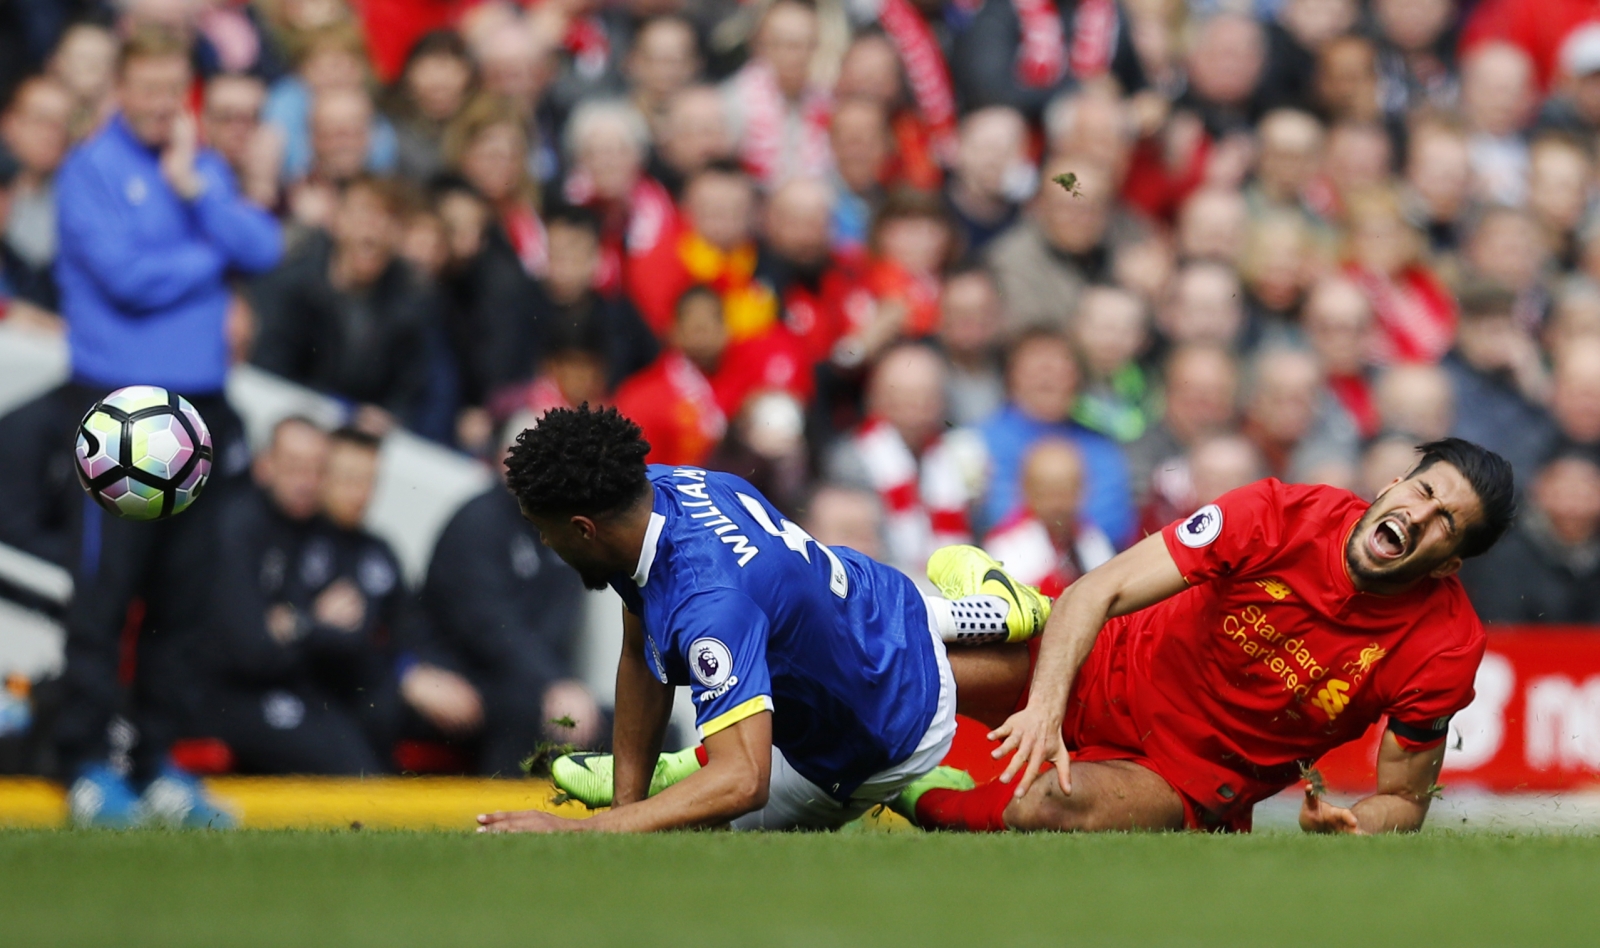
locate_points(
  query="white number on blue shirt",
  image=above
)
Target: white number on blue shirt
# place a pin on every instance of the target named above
(795, 538)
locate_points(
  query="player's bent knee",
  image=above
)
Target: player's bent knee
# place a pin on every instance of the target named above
(1105, 798)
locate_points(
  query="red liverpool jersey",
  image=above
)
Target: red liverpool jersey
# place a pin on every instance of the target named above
(1271, 657)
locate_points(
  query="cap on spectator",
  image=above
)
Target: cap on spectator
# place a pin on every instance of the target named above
(1580, 53)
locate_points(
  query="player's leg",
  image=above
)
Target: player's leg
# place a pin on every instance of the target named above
(1106, 795)
(991, 680)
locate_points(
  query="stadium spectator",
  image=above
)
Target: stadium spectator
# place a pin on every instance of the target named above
(902, 453)
(663, 59)
(1575, 394)
(1041, 388)
(340, 123)
(487, 145)
(1574, 106)
(715, 247)
(27, 295)
(36, 129)
(1416, 401)
(1559, 172)
(1549, 565)
(1438, 181)
(1499, 381)
(1043, 262)
(1281, 260)
(692, 134)
(606, 144)
(230, 122)
(1212, 225)
(777, 114)
(673, 401)
(969, 335)
(1508, 246)
(1295, 422)
(1111, 331)
(809, 279)
(85, 61)
(1201, 400)
(435, 84)
(507, 612)
(137, 317)
(332, 63)
(1338, 326)
(922, 118)
(859, 137)
(1497, 100)
(346, 316)
(1021, 55)
(990, 176)
(1415, 315)
(1045, 542)
(1416, 60)
(1383, 460)
(1214, 466)
(1204, 308)
(839, 515)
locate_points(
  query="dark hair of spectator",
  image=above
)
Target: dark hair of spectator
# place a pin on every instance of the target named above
(447, 43)
(913, 204)
(151, 42)
(698, 291)
(1034, 335)
(583, 461)
(355, 437)
(396, 199)
(572, 215)
(338, 37)
(1484, 299)
(1491, 479)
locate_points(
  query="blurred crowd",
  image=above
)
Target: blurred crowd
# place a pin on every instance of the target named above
(1038, 274)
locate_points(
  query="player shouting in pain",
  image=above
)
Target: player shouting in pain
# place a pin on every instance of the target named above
(1192, 676)
(819, 677)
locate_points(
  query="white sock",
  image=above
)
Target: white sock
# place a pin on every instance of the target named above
(970, 620)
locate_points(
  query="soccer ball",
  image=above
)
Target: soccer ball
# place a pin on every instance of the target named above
(144, 453)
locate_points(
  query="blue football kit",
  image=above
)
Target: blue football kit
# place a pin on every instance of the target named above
(754, 615)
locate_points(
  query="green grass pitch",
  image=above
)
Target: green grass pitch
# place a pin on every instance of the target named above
(713, 889)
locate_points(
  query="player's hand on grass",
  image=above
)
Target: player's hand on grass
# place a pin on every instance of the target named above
(1317, 815)
(525, 821)
(1033, 737)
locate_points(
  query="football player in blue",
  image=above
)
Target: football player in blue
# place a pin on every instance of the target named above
(819, 677)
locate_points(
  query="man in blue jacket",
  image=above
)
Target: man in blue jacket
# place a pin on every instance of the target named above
(1042, 383)
(151, 227)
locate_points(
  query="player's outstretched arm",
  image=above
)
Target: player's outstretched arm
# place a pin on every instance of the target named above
(644, 704)
(733, 782)
(1406, 782)
(1141, 575)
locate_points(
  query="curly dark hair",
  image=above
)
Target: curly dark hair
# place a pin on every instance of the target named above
(587, 461)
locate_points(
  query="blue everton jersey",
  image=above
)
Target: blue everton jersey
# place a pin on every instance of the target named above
(754, 615)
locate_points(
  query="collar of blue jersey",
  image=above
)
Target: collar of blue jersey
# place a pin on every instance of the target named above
(647, 553)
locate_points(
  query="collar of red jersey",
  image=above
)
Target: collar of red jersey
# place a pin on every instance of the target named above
(647, 552)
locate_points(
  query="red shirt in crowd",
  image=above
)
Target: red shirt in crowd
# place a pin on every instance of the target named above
(1272, 657)
(672, 402)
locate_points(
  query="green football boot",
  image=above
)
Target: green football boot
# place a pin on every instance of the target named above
(591, 778)
(963, 571)
(939, 778)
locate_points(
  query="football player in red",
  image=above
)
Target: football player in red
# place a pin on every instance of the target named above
(1196, 673)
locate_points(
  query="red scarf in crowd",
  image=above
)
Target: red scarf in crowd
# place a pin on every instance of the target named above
(527, 236)
(1043, 57)
(925, 67)
(925, 501)
(1023, 543)
(766, 114)
(1415, 314)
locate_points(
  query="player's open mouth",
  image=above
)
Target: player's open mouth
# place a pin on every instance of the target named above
(1388, 540)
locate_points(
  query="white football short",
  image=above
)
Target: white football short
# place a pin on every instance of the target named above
(793, 802)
